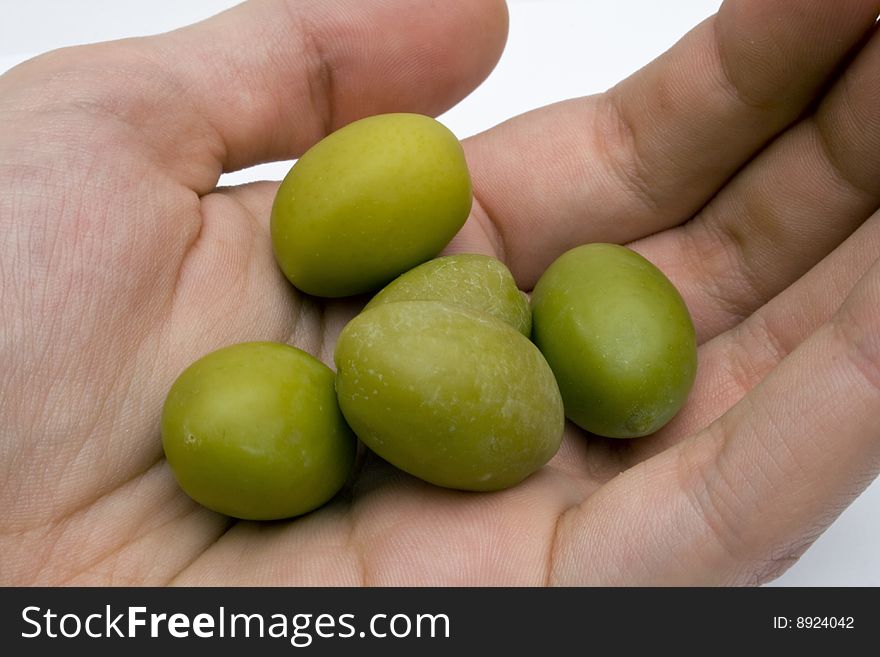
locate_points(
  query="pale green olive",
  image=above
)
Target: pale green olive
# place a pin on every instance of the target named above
(254, 431)
(477, 282)
(368, 202)
(619, 339)
(454, 397)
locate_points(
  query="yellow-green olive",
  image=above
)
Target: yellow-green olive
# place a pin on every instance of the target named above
(368, 202)
(452, 396)
(619, 339)
(254, 431)
(477, 282)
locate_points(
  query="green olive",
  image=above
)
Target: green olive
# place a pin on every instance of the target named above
(474, 281)
(454, 397)
(368, 202)
(619, 339)
(254, 431)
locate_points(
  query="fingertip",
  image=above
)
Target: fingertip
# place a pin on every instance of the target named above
(439, 54)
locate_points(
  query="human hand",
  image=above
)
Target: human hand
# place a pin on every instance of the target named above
(121, 264)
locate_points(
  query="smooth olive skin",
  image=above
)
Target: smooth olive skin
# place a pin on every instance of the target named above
(368, 202)
(619, 338)
(456, 398)
(474, 281)
(254, 431)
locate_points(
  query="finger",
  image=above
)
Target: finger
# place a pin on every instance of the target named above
(786, 210)
(648, 154)
(266, 79)
(320, 65)
(740, 501)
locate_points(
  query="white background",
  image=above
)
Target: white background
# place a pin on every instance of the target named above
(557, 49)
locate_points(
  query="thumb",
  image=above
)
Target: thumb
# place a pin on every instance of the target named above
(266, 79)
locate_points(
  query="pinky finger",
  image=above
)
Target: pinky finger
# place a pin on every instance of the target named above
(740, 501)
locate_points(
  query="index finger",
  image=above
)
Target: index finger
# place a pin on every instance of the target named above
(652, 151)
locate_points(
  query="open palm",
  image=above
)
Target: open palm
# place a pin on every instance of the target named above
(744, 162)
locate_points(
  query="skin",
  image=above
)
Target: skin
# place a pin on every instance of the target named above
(745, 163)
(369, 202)
(470, 280)
(454, 397)
(254, 431)
(618, 337)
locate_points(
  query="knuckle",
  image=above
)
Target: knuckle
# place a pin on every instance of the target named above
(712, 500)
(622, 149)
